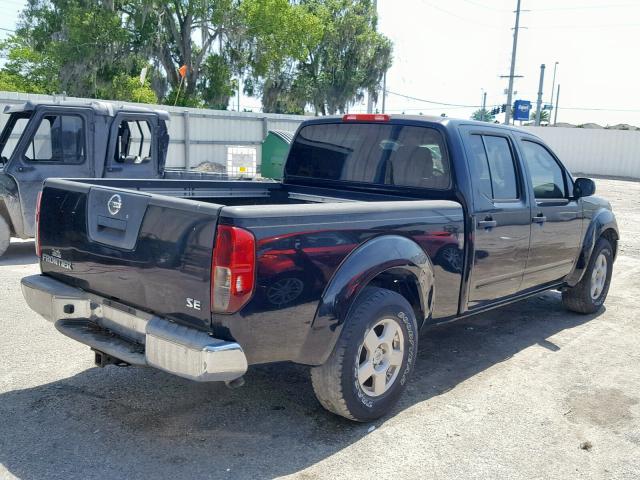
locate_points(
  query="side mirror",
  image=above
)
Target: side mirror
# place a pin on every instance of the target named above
(584, 187)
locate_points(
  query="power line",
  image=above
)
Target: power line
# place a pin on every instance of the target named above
(485, 25)
(458, 105)
(553, 9)
(612, 25)
(587, 7)
(602, 109)
(477, 4)
(444, 104)
(7, 30)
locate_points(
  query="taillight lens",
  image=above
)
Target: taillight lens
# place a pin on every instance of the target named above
(38, 247)
(232, 269)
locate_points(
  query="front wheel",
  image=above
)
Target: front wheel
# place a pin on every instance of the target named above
(589, 294)
(5, 235)
(370, 365)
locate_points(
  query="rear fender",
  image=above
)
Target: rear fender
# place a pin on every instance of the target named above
(376, 256)
(601, 221)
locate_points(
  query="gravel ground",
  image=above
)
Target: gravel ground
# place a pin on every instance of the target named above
(526, 391)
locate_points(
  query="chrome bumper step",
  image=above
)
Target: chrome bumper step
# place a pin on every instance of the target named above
(87, 332)
(135, 337)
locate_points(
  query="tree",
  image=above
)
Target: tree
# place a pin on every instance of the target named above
(483, 115)
(292, 53)
(216, 40)
(339, 57)
(279, 35)
(215, 84)
(544, 116)
(127, 88)
(167, 31)
(75, 46)
(349, 60)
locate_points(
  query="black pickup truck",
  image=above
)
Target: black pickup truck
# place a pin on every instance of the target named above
(381, 227)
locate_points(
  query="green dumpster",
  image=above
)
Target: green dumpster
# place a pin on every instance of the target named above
(274, 152)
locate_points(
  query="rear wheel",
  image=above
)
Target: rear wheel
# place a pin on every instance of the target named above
(589, 294)
(5, 235)
(370, 365)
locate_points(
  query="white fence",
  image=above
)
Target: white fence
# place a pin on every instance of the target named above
(197, 135)
(594, 151)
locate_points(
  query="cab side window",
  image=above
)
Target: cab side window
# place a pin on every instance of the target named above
(493, 167)
(59, 139)
(133, 144)
(546, 175)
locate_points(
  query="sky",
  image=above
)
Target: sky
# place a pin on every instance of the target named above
(452, 51)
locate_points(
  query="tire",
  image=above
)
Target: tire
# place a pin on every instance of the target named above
(377, 315)
(589, 294)
(5, 235)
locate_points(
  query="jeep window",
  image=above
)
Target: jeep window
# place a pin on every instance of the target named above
(133, 145)
(373, 153)
(11, 134)
(58, 139)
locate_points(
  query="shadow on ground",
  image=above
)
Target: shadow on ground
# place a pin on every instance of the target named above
(19, 253)
(132, 423)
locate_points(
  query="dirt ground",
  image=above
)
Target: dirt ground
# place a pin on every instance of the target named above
(526, 391)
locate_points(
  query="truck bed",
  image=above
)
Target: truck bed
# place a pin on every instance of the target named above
(237, 192)
(154, 251)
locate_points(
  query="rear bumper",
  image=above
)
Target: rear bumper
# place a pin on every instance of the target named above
(131, 335)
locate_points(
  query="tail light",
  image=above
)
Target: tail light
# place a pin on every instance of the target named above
(232, 269)
(38, 247)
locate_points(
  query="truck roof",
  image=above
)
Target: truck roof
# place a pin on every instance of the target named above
(445, 121)
(99, 108)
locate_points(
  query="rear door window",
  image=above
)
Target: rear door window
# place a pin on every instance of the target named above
(493, 167)
(501, 167)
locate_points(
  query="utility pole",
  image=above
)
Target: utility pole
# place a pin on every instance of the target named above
(384, 90)
(539, 102)
(512, 70)
(485, 117)
(370, 95)
(555, 118)
(553, 88)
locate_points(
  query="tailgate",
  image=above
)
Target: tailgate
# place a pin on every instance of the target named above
(148, 251)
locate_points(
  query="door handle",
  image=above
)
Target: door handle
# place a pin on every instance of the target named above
(26, 169)
(540, 218)
(487, 223)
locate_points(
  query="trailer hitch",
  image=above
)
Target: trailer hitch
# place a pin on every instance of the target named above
(102, 360)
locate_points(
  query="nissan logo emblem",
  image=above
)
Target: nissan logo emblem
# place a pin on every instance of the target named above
(114, 204)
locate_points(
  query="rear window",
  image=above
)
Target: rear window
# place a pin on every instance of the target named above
(384, 154)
